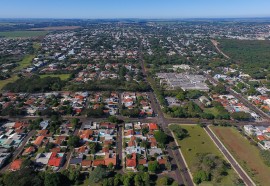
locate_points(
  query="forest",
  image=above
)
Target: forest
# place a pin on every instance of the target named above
(252, 56)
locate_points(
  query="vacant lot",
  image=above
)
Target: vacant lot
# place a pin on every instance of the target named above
(200, 142)
(212, 110)
(25, 62)
(6, 81)
(245, 153)
(61, 76)
(14, 34)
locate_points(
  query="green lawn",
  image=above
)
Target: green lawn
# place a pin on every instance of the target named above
(6, 81)
(247, 155)
(61, 76)
(212, 110)
(199, 142)
(25, 62)
(14, 34)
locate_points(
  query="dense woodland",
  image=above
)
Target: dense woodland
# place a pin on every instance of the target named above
(252, 56)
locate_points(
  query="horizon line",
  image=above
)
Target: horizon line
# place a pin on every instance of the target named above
(252, 17)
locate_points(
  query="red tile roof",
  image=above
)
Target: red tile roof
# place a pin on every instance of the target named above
(98, 162)
(29, 150)
(131, 162)
(261, 137)
(38, 140)
(16, 165)
(153, 126)
(54, 160)
(162, 161)
(86, 163)
(142, 161)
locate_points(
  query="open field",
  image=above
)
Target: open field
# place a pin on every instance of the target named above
(6, 81)
(61, 76)
(25, 62)
(213, 111)
(57, 28)
(14, 34)
(246, 154)
(199, 142)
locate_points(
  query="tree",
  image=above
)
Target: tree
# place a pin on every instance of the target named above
(111, 166)
(141, 168)
(161, 137)
(23, 177)
(179, 132)
(98, 174)
(153, 166)
(146, 178)
(127, 181)
(181, 96)
(241, 116)
(162, 181)
(52, 179)
(137, 180)
(73, 141)
(74, 174)
(113, 119)
(75, 122)
(117, 179)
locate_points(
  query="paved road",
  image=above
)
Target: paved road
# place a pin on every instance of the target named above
(70, 153)
(177, 161)
(19, 150)
(247, 180)
(119, 146)
(178, 165)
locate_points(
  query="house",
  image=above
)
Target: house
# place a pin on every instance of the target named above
(16, 165)
(43, 158)
(98, 162)
(131, 163)
(267, 145)
(261, 138)
(110, 159)
(28, 151)
(86, 163)
(153, 152)
(249, 129)
(38, 141)
(153, 126)
(4, 155)
(205, 101)
(143, 162)
(76, 161)
(56, 159)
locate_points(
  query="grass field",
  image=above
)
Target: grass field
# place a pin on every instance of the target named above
(245, 153)
(6, 81)
(25, 62)
(14, 34)
(200, 142)
(61, 76)
(212, 110)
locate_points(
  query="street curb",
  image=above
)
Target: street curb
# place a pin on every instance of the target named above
(179, 149)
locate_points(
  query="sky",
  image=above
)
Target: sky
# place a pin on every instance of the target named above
(99, 9)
